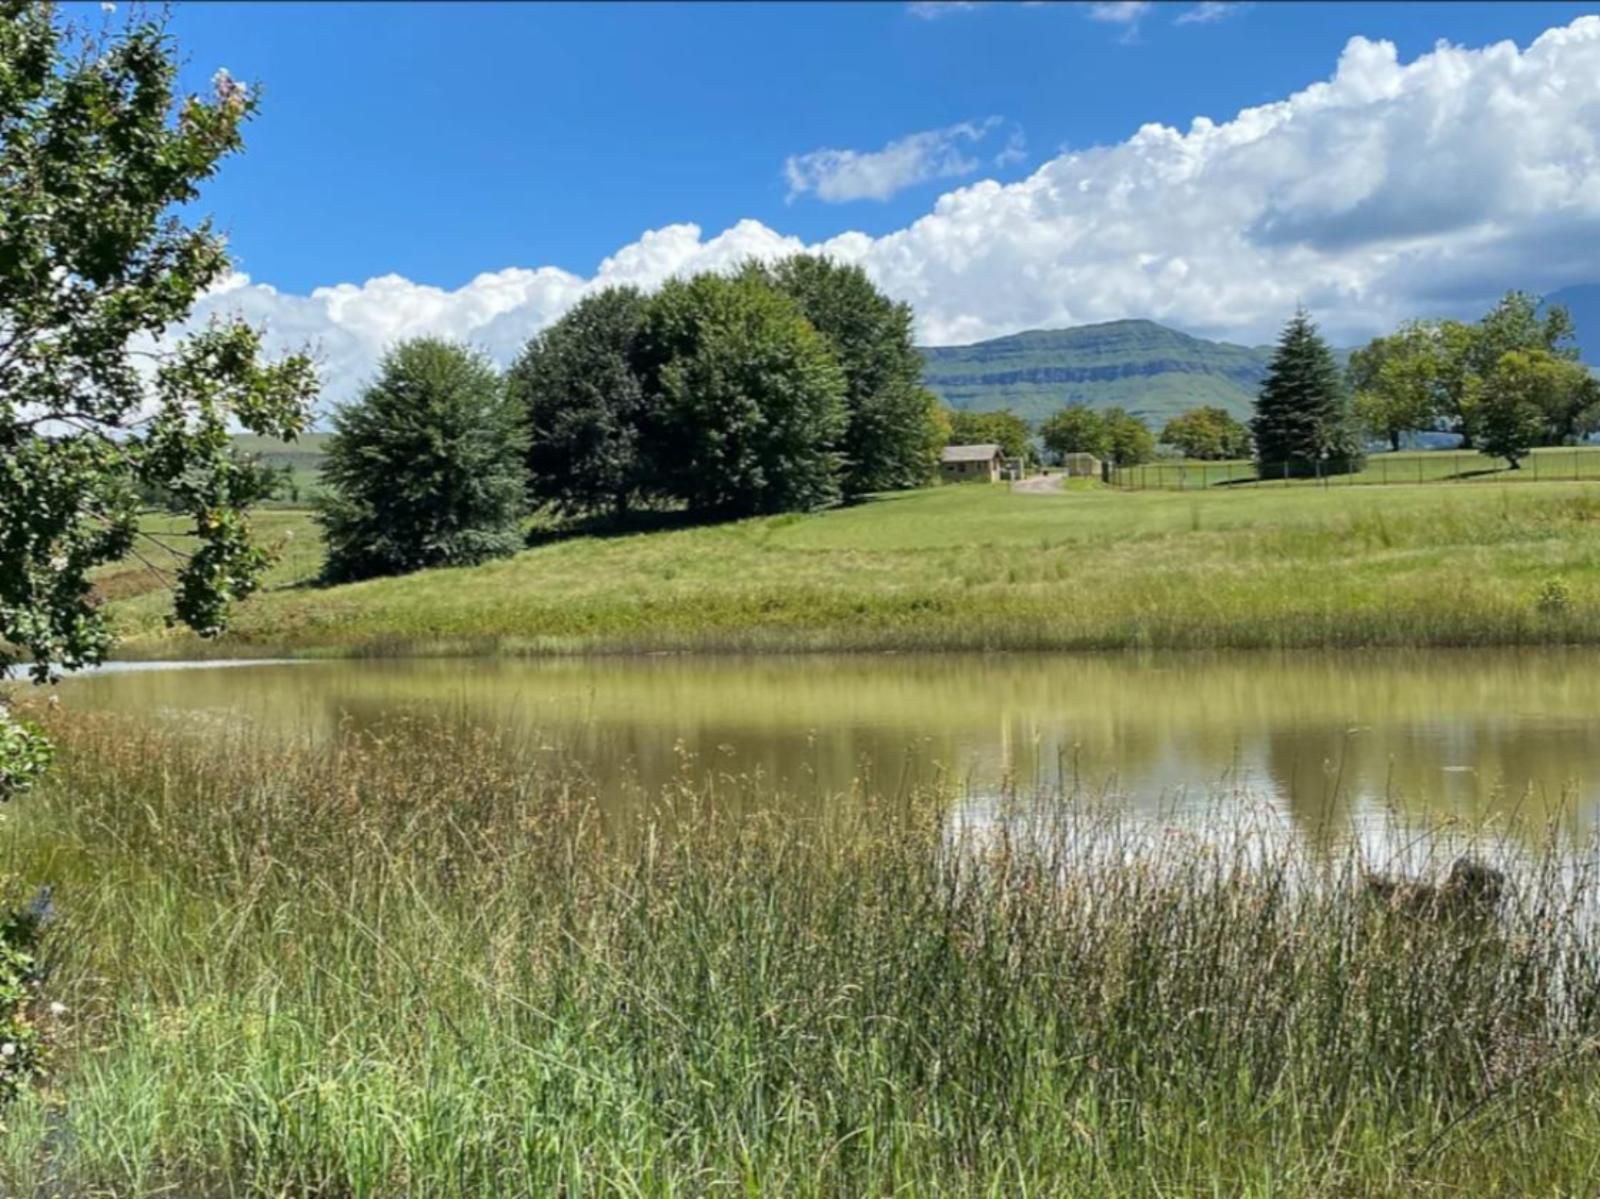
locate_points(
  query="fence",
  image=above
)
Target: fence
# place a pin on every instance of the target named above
(1434, 466)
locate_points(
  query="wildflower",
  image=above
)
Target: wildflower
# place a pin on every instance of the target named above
(58, 1008)
(9, 1049)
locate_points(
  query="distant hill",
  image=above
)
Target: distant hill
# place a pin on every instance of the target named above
(302, 456)
(1151, 370)
(1583, 302)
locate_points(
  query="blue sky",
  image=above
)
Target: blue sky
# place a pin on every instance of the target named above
(469, 168)
(442, 140)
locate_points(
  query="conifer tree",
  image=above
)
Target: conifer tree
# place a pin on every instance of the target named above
(1302, 424)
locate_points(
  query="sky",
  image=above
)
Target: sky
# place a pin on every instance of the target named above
(472, 171)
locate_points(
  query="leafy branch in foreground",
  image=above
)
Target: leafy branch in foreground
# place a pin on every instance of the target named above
(97, 399)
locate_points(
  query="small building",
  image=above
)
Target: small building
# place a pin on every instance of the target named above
(1015, 469)
(1080, 466)
(972, 464)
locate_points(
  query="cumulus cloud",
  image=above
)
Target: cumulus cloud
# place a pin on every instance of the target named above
(839, 175)
(1208, 12)
(1388, 190)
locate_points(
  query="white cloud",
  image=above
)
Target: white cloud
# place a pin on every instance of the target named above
(1016, 150)
(1119, 12)
(930, 10)
(1208, 11)
(1387, 191)
(839, 175)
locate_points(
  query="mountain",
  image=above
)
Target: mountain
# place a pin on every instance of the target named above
(1152, 371)
(1583, 303)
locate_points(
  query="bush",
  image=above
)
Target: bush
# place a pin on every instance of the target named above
(426, 469)
(23, 1043)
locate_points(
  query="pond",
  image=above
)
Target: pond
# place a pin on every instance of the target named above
(1325, 741)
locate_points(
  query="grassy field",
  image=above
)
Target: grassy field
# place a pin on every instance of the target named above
(973, 568)
(415, 963)
(1423, 466)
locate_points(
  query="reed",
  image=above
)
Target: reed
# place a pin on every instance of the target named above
(414, 962)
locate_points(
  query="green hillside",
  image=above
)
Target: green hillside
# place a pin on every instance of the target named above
(1152, 371)
(302, 456)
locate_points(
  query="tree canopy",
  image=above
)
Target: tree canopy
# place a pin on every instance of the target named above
(1130, 440)
(585, 407)
(426, 468)
(749, 401)
(1003, 428)
(1076, 429)
(1209, 433)
(1396, 382)
(890, 440)
(99, 267)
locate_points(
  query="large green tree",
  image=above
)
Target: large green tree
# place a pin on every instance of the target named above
(1076, 429)
(578, 384)
(1129, 438)
(1003, 428)
(747, 401)
(100, 262)
(1512, 420)
(1470, 353)
(426, 468)
(890, 438)
(1302, 423)
(1395, 382)
(1207, 433)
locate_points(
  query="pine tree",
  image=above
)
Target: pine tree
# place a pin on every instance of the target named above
(1302, 424)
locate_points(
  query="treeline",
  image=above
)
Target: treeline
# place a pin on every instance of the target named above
(1503, 384)
(778, 387)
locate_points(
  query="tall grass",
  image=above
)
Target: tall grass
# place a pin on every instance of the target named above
(976, 568)
(414, 964)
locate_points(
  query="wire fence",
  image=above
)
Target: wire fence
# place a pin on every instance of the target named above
(1572, 463)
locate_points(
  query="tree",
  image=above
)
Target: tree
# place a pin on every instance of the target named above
(1512, 417)
(1302, 423)
(426, 469)
(1469, 354)
(889, 440)
(747, 401)
(1207, 433)
(98, 398)
(1129, 438)
(1076, 429)
(584, 401)
(1003, 428)
(1395, 382)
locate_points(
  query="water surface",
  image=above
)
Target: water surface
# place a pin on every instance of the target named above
(1323, 740)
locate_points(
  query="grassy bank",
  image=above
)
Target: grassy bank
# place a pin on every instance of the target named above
(410, 964)
(975, 568)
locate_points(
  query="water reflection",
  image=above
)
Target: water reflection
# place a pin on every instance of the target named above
(1325, 741)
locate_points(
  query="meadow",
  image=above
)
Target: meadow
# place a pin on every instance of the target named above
(415, 962)
(1574, 463)
(964, 568)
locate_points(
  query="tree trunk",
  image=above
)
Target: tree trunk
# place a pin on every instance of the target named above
(1394, 440)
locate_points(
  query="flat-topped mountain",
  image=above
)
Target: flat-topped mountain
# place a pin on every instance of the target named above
(1153, 371)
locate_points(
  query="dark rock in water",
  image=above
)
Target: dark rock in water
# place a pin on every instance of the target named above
(1472, 887)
